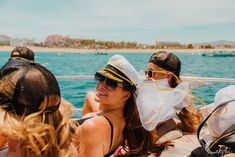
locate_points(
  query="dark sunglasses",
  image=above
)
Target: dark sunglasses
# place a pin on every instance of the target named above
(150, 73)
(110, 84)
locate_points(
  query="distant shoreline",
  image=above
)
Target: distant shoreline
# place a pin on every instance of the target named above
(69, 50)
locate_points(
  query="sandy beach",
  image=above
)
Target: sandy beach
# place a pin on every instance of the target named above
(68, 50)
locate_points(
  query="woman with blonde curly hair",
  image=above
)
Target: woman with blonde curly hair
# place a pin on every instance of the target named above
(34, 119)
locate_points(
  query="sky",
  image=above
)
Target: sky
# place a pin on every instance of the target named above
(142, 21)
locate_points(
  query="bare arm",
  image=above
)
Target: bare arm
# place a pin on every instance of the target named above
(90, 105)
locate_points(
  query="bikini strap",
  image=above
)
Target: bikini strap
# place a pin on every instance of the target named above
(111, 126)
(80, 121)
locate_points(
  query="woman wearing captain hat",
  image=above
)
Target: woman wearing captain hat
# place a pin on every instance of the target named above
(118, 122)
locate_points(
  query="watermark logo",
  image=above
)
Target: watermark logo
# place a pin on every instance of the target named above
(223, 150)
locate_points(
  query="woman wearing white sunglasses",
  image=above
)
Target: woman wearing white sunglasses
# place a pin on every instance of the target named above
(164, 68)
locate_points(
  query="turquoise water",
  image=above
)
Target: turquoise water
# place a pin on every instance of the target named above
(74, 90)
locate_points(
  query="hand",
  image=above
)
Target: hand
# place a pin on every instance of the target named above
(120, 151)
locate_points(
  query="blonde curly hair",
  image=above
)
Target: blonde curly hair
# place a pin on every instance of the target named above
(35, 115)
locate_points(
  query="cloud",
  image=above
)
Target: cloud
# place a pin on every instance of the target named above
(118, 20)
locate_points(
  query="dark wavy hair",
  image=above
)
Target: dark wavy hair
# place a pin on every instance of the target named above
(137, 140)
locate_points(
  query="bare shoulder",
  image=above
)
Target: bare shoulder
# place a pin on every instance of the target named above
(92, 137)
(94, 128)
(97, 122)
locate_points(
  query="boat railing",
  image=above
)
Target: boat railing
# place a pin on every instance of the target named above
(208, 79)
(75, 77)
(187, 78)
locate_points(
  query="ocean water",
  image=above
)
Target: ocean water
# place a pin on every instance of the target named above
(74, 90)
